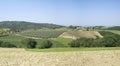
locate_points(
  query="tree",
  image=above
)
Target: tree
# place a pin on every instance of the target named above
(6, 44)
(1, 42)
(44, 44)
(72, 27)
(29, 43)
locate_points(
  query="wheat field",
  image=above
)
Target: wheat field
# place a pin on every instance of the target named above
(20, 57)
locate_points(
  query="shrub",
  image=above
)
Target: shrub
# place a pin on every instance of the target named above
(81, 42)
(58, 44)
(74, 43)
(1, 42)
(109, 40)
(29, 43)
(44, 44)
(7, 44)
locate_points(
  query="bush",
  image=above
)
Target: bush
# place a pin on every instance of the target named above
(1, 42)
(58, 44)
(81, 42)
(109, 40)
(7, 44)
(29, 43)
(44, 44)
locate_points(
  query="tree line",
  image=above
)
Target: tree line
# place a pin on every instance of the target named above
(31, 43)
(109, 40)
(114, 28)
(28, 43)
(6, 44)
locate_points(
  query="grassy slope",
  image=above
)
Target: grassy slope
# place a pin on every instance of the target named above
(44, 33)
(63, 40)
(73, 49)
(12, 39)
(23, 25)
(114, 31)
(60, 42)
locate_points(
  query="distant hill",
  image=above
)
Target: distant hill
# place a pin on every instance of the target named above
(114, 28)
(22, 25)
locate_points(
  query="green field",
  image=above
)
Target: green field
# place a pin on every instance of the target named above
(63, 40)
(43, 33)
(114, 31)
(16, 40)
(74, 49)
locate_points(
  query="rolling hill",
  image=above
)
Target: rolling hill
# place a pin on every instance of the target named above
(114, 28)
(74, 34)
(22, 25)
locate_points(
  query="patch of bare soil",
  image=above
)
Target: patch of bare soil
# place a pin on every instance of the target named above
(81, 34)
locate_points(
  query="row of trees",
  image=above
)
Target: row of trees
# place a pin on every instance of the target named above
(114, 28)
(6, 44)
(88, 27)
(31, 43)
(28, 43)
(48, 33)
(109, 40)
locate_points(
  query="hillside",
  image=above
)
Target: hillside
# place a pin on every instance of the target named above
(81, 34)
(114, 28)
(22, 25)
(43, 33)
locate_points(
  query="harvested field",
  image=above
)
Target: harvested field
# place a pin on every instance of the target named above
(81, 34)
(20, 57)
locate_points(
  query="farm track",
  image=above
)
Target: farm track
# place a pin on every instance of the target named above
(27, 36)
(20, 57)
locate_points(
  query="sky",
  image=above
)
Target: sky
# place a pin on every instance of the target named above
(62, 12)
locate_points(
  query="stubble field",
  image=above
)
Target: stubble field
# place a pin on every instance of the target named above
(20, 57)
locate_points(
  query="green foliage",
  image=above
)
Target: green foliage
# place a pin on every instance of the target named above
(22, 25)
(43, 33)
(63, 41)
(109, 40)
(16, 40)
(72, 27)
(29, 43)
(74, 49)
(44, 44)
(6, 44)
(81, 42)
(114, 28)
(114, 31)
(57, 44)
(1, 42)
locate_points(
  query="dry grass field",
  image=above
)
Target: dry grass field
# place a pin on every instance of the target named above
(20, 57)
(81, 34)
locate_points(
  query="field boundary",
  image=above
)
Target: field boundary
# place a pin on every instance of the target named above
(73, 49)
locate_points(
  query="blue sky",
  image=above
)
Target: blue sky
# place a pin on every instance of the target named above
(63, 12)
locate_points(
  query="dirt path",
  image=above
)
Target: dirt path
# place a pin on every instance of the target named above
(27, 36)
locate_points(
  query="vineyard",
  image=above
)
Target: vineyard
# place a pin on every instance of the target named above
(43, 33)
